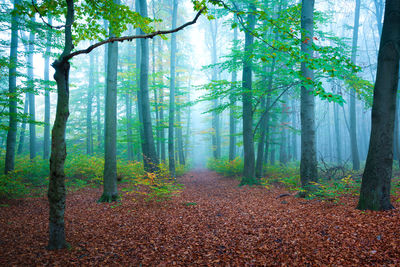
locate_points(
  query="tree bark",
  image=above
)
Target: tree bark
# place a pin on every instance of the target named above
(171, 153)
(56, 193)
(110, 189)
(308, 162)
(149, 154)
(375, 186)
(248, 141)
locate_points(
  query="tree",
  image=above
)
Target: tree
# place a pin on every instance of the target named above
(171, 148)
(149, 153)
(248, 141)
(308, 162)
(12, 89)
(46, 139)
(353, 122)
(89, 126)
(110, 189)
(56, 191)
(375, 185)
(232, 99)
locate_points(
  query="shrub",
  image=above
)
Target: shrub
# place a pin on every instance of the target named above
(225, 167)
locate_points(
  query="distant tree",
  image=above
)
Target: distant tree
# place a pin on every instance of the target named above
(353, 122)
(12, 85)
(171, 118)
(375, 185)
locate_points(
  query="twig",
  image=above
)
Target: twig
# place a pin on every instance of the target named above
(42, 18)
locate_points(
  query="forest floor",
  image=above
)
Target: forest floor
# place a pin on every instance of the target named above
(212, 222)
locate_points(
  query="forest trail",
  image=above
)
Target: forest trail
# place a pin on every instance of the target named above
(212, 222)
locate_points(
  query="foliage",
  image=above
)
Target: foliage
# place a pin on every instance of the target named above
(154, 186)
(334, 190)
(227, 168)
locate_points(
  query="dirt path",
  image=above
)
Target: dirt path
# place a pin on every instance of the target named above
(213, 222)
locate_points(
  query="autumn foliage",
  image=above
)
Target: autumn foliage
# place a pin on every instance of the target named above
(212, 222)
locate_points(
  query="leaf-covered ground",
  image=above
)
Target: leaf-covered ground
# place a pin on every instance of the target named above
(213, 222)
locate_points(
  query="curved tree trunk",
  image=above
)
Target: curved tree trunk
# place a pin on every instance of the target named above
(56, 193)
(375, 186)
(308, 162)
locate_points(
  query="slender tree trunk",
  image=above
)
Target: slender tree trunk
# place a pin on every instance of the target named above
(248, 141)
(110, 189)
(98, 116)
(46, 139)
(56, 193)
(162, 128)
(294, 133)
(353, 118)
(89, 127)
(232, 120)
(308, 162)
(375, 186)
(283, 157)
(31, 94)
(171, 153)
(260, 148)
(23, 127)
(337, 132)
(139, 92)
(149, 154)
(396, 130)
(216, 135)
(129, 134)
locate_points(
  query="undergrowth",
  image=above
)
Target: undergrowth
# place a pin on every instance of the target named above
(31, 177)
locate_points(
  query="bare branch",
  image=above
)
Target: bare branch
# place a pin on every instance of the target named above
(130, 38)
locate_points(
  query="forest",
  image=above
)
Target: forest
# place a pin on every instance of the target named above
(199, 132)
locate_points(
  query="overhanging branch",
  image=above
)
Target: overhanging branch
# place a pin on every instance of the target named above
(130, 38)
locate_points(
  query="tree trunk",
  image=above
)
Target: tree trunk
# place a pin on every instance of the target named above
(149, 153)
(98, 114)
(337, 132)
(23, 127)
(248, 141)
(232, 122)
(89, 127)
(308, 162)
(283, 157)
(31, 94)
(110, 189)
(179, 137)
(162, 129)
(171, 153)
(260, 148)
(216, 135)
(375, 186)
(56, 193)
(46, 139)
(353, 119)
(294, 133)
